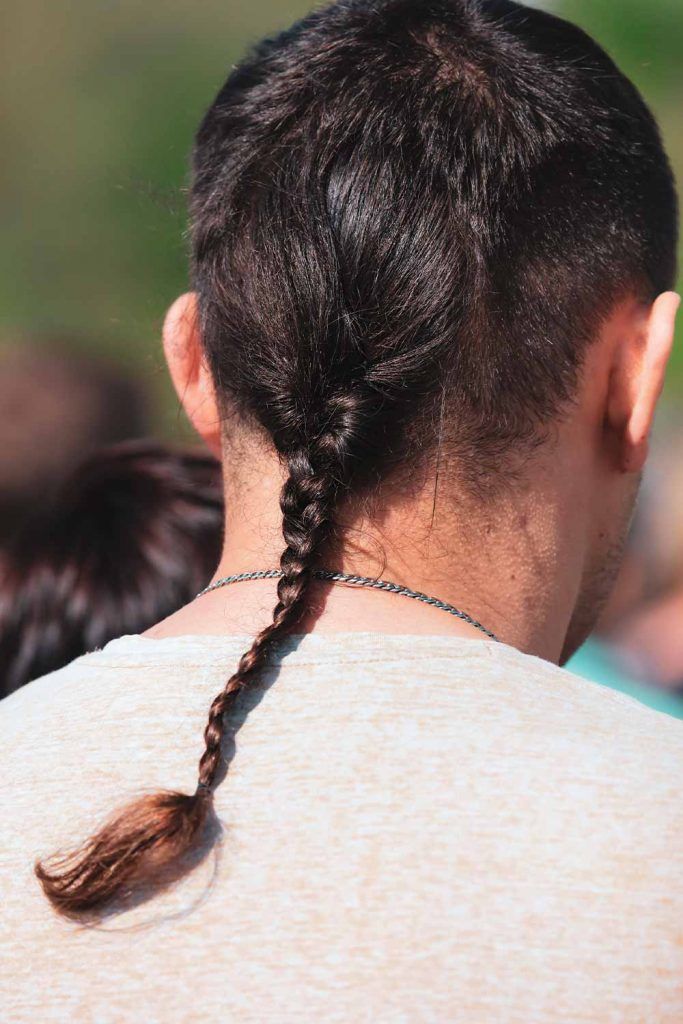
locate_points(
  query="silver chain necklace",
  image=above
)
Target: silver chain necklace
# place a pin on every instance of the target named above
(359, 581)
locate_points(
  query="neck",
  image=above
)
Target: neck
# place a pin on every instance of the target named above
(514, 567)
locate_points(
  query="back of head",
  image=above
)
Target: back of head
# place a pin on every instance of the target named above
(130, 536)
(409, 219)
(399, 201)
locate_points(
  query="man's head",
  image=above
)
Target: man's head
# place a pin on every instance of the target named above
(434, 230)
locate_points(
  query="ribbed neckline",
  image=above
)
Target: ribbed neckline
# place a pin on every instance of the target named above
(322, 647)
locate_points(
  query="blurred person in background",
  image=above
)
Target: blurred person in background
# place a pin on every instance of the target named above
(650, 641)
(130, 536)
(433, 253)
(57, 404)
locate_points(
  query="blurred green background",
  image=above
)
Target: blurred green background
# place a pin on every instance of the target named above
(100, 100)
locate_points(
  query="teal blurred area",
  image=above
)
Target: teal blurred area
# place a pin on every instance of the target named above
(100, 102)
(599, 662)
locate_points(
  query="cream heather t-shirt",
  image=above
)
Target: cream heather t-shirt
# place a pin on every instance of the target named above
(415, 829)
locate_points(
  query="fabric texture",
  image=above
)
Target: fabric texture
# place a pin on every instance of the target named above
(415, 829)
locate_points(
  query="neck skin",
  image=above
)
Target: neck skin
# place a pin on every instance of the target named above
(516, 566)
(534, 565)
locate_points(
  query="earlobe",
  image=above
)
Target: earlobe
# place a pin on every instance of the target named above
(649, 378)
(189, 372)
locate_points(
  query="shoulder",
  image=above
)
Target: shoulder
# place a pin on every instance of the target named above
(102, 679)
(610, 742)
(134, 682)
(43, 697)
(538, 697)
(604, 702)
(106, 706)
(85, 694)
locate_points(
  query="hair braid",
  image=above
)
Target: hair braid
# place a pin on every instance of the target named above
(307, 500)
(146, 840)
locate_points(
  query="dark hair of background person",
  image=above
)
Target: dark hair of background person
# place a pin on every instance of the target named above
(129, 538)
(399, 209)
(57, 404)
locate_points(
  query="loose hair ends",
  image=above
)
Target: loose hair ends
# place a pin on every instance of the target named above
(143, 845)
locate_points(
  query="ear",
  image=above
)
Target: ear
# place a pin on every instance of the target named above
(189, 371)
(637, 379)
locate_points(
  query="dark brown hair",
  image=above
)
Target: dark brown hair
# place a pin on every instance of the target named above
(399, 207)
(129, 537)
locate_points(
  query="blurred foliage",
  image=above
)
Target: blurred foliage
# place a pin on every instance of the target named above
(100, 100)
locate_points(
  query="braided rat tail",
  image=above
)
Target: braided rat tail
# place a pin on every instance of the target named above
(307, 502)
(145, 843)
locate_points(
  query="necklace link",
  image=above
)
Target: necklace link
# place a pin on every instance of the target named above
(353, 580)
